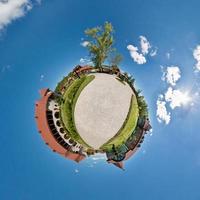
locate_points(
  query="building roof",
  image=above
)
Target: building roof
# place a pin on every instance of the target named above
(43, 127)
(130, 153)
(84, 68)
(117, 164)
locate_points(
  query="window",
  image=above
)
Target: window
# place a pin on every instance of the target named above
(62, 130)
(56, 115)
(58, 123)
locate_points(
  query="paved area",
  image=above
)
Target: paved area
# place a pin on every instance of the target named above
(101, 109)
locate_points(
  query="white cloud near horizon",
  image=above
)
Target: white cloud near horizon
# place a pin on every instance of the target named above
(85, 61)
(11, 10)
(135, 55)
(162, 114)
(99, 156)
(85, 43)
(172, 74)
(196, 55)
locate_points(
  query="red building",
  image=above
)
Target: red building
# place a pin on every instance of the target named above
(47, 129)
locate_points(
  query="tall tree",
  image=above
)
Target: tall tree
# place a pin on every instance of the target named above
(100, 43)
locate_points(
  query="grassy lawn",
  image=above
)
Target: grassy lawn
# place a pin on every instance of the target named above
(127, 128)
(67, 107)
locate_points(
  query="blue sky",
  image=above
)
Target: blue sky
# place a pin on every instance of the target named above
(40, 43)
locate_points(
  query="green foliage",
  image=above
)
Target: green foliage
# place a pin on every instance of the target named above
(142, 105)
(100, 43)
(131, 80)
(138, 92)
(128, 78)
(67, 108)
(63, 82)
(126, 74)
(115, 68)
(127, 128)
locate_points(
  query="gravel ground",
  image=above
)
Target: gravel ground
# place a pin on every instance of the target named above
(101, 109)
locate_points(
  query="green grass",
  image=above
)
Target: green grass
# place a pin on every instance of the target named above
(67, 107)
(127, 128)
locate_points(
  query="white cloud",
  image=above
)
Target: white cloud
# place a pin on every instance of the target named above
(173, 97)
(137, 57)
(162, 114)
(85, 61)
(99, 157)
(11, 10)
(139, 54)
(176, 98)
(145, 45)
(172, 75)
(196, 54)
(85, 43)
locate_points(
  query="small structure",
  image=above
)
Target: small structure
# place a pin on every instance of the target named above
(78, 70)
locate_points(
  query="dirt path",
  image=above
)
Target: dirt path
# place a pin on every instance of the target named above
(101, 109)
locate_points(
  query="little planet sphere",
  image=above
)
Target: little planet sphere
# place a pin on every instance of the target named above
(93, 111)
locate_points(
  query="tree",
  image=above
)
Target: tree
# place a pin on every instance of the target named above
(115, 59)
(100, 43)
(138, 92)
(142, 105)
(131, 80)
